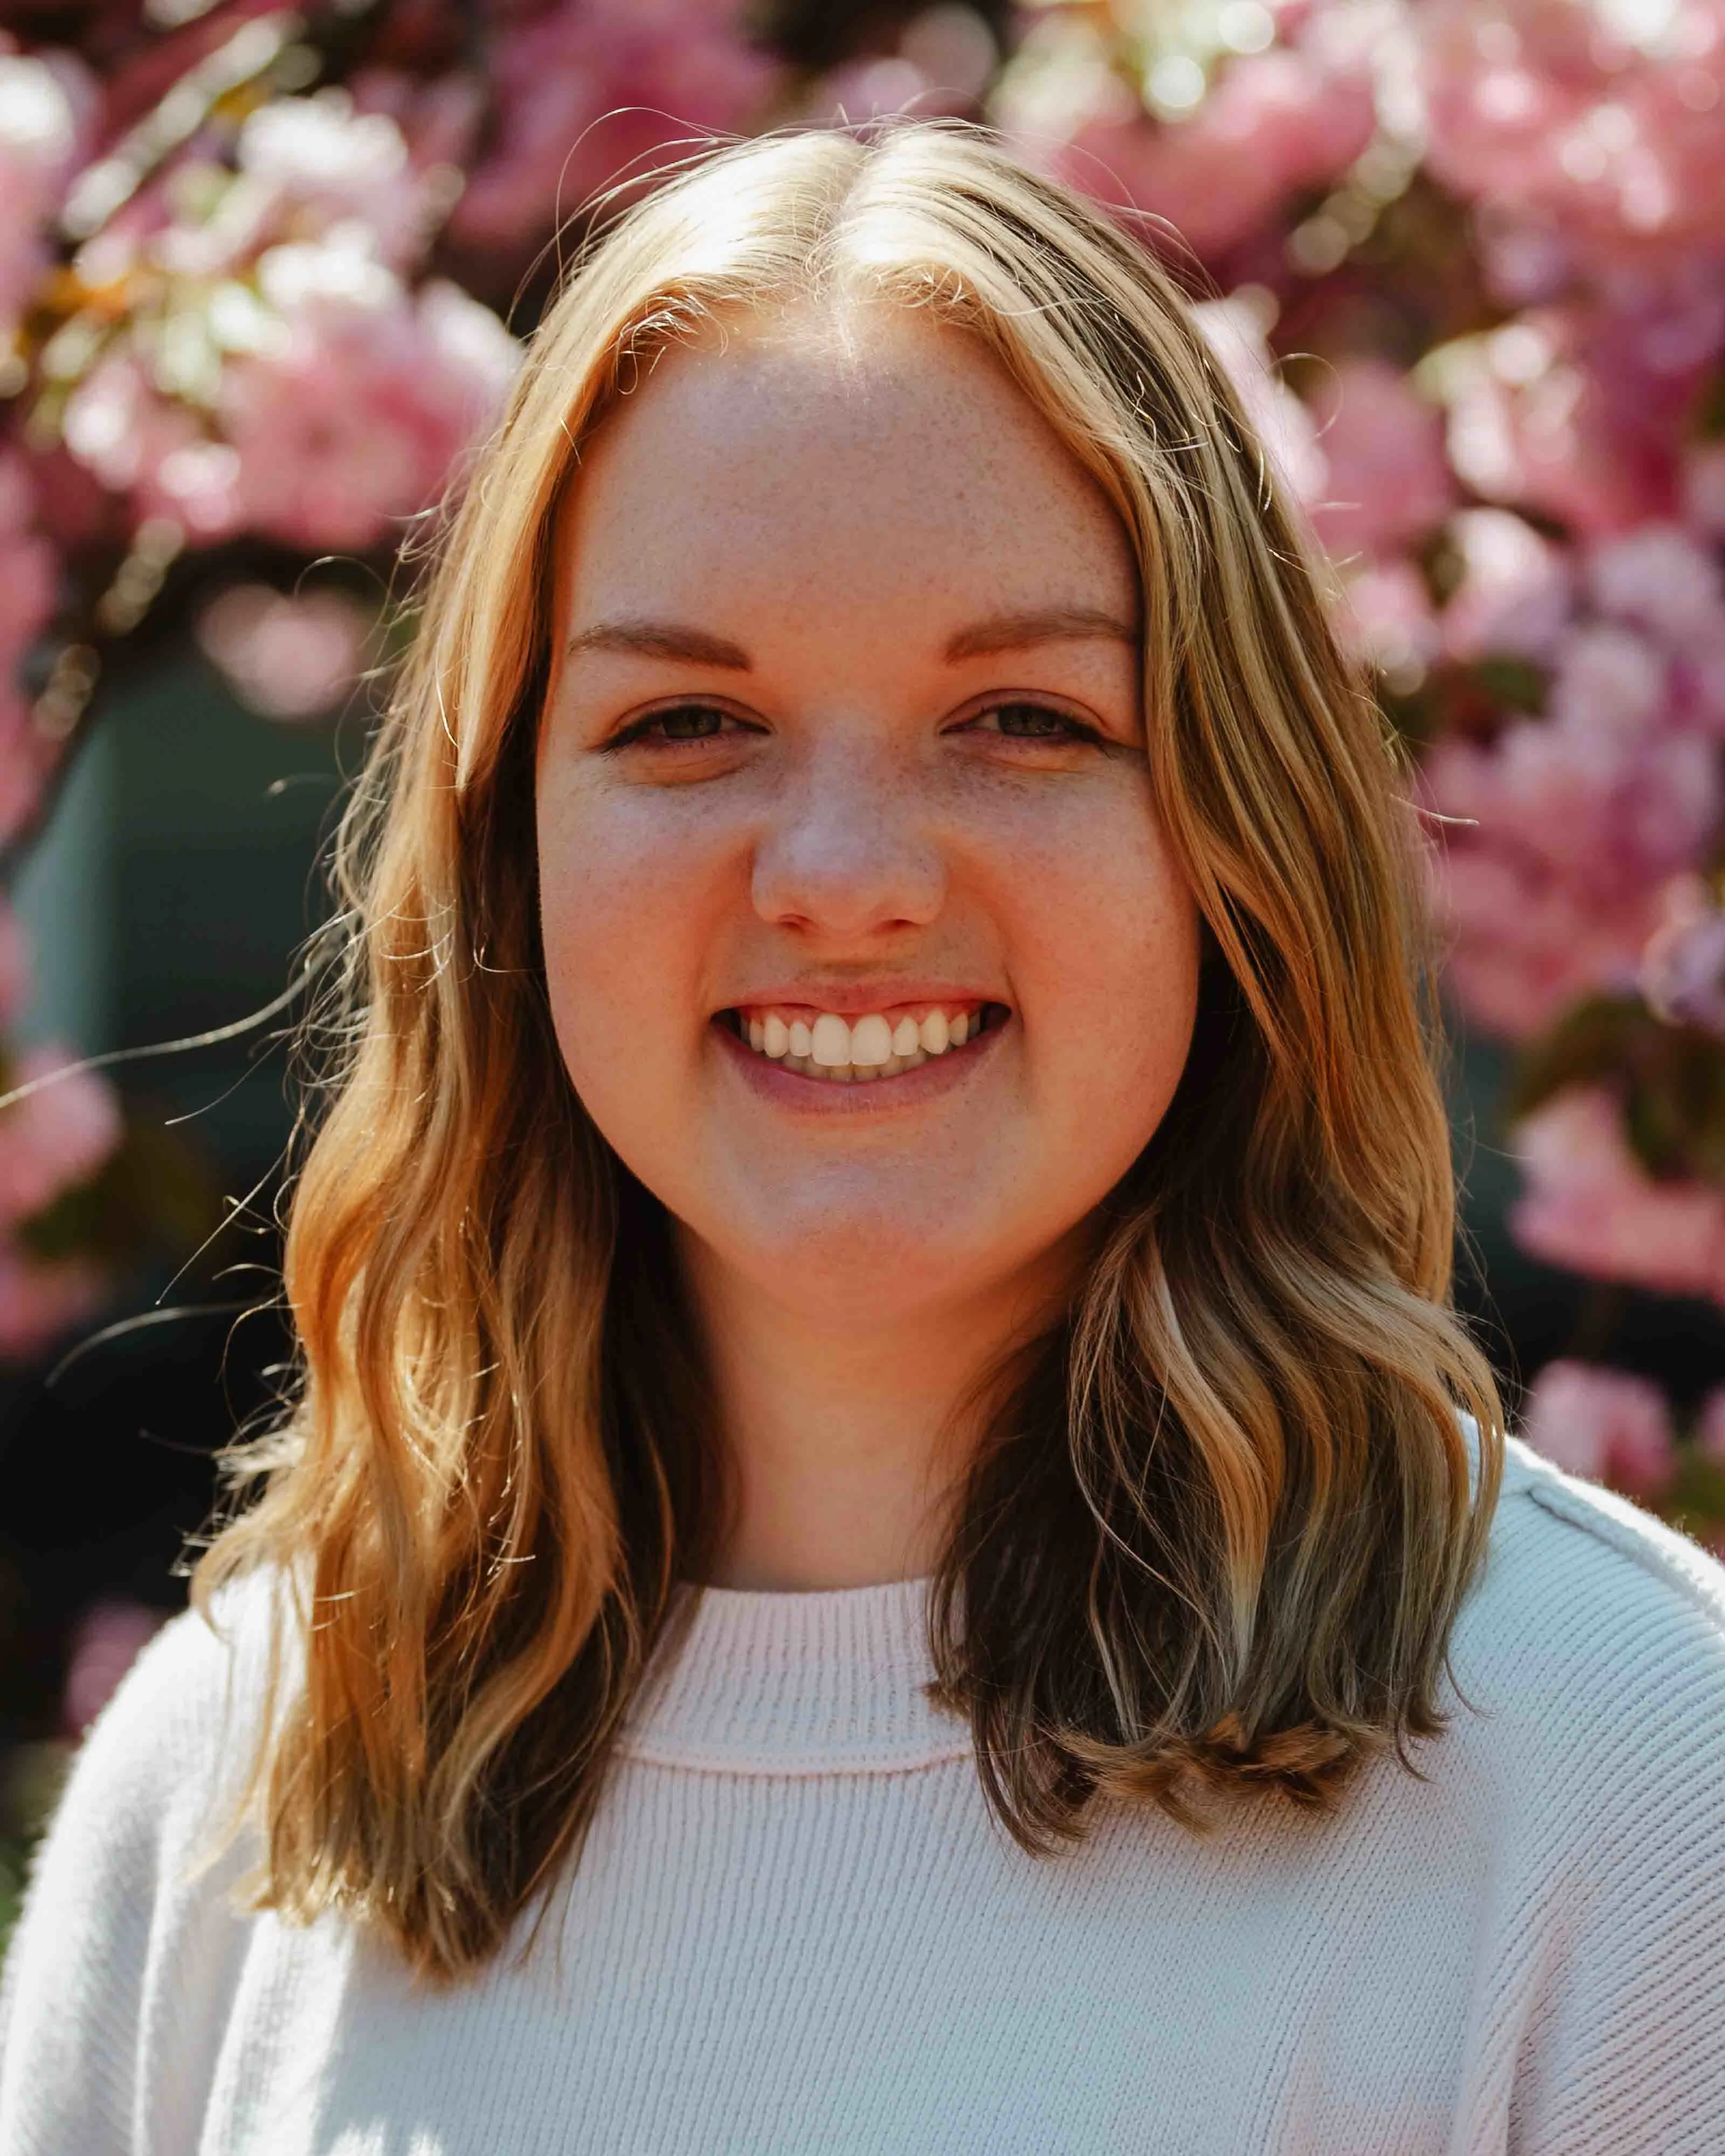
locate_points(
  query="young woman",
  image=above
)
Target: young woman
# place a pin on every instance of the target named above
(890, 1543)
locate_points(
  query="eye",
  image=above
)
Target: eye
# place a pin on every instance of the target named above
(1024, 721)
(674, 727)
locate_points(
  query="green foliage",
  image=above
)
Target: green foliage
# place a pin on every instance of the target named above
(1694, 1500)
(33, 1776)
(14, 1857)
(1670, 1078)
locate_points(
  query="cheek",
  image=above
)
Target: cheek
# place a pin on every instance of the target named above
(1106, 943)
(626, 912)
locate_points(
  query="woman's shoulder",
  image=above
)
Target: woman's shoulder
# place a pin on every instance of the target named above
(1603, 1624)
(1589, 1761)
(127, 1887)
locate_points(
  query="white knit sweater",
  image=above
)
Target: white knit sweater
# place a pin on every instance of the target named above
(796, 1927)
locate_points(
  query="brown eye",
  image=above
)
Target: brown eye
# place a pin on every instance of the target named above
(681, 722)
(690, 722)
(1032, 722)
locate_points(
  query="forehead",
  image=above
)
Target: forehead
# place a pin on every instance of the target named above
(853, 458)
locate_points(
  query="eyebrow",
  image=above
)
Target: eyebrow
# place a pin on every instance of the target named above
(1000, 632)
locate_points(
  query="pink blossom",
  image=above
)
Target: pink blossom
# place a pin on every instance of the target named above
(1682, 971)
(439, 121)
(1596, 135)
(1492, 108)
(590, 89)
(105, 1642)
(1703, 487)
(305, 169)
(354, 422)
(1384, 618)
(871, 89)
(344, 420)
(1710, 1425)
(1515, 593)
(1603, 1426)
(1589, 1205)
(1525, 942)
(14, 965)
(39, 145)
(289, 655)
(39, 1303)
(319, 152)
(1386, 482)
(28, 574)
(1560, 419)
(1273, 122)
(141, 443)
(55, 1138)
(1551, 888)
(1661, 578)
(1609, 680)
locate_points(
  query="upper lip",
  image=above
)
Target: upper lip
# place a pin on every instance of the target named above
(856, 998)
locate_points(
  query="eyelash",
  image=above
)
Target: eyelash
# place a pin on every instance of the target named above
(638, 733)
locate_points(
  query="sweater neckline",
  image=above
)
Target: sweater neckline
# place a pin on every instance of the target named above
(819, 1682)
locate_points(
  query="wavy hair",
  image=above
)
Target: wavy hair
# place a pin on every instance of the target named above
(1215, 1526)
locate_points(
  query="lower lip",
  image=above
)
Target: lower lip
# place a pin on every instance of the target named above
(866, 1097)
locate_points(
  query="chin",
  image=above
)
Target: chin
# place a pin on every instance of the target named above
(860, 1265)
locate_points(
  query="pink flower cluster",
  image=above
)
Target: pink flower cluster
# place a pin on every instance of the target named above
(1682, 974)
(307, 165)
(1604, 1425)
(1579, 820)
(107, 1639)
(1590, 138)
(28, 574)
(586, 91)
(288, 655)
(340, 403)
(1386, 481)
(1224, 158)
(1588, 1204)
(1581, 413)
(45, 100)
(941, 63)
(1609, 1426)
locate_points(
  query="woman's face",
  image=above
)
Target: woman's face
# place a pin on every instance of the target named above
(842, 771)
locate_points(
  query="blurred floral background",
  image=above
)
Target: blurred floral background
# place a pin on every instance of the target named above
(264, 272)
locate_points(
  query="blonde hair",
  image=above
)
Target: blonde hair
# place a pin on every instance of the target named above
(1218, 1524)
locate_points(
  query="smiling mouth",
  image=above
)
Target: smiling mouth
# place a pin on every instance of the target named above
(879, 1044)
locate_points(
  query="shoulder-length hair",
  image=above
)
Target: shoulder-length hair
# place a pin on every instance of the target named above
(1216, 1526)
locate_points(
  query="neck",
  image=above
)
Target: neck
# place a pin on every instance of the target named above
(846, 1435)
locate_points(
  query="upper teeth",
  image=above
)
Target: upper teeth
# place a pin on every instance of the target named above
(876, 1042)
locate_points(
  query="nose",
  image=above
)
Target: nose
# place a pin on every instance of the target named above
(849, 848)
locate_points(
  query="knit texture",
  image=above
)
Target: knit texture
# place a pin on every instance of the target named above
(796, 1926)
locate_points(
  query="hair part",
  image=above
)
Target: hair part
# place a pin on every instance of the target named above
(1216, 1528)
